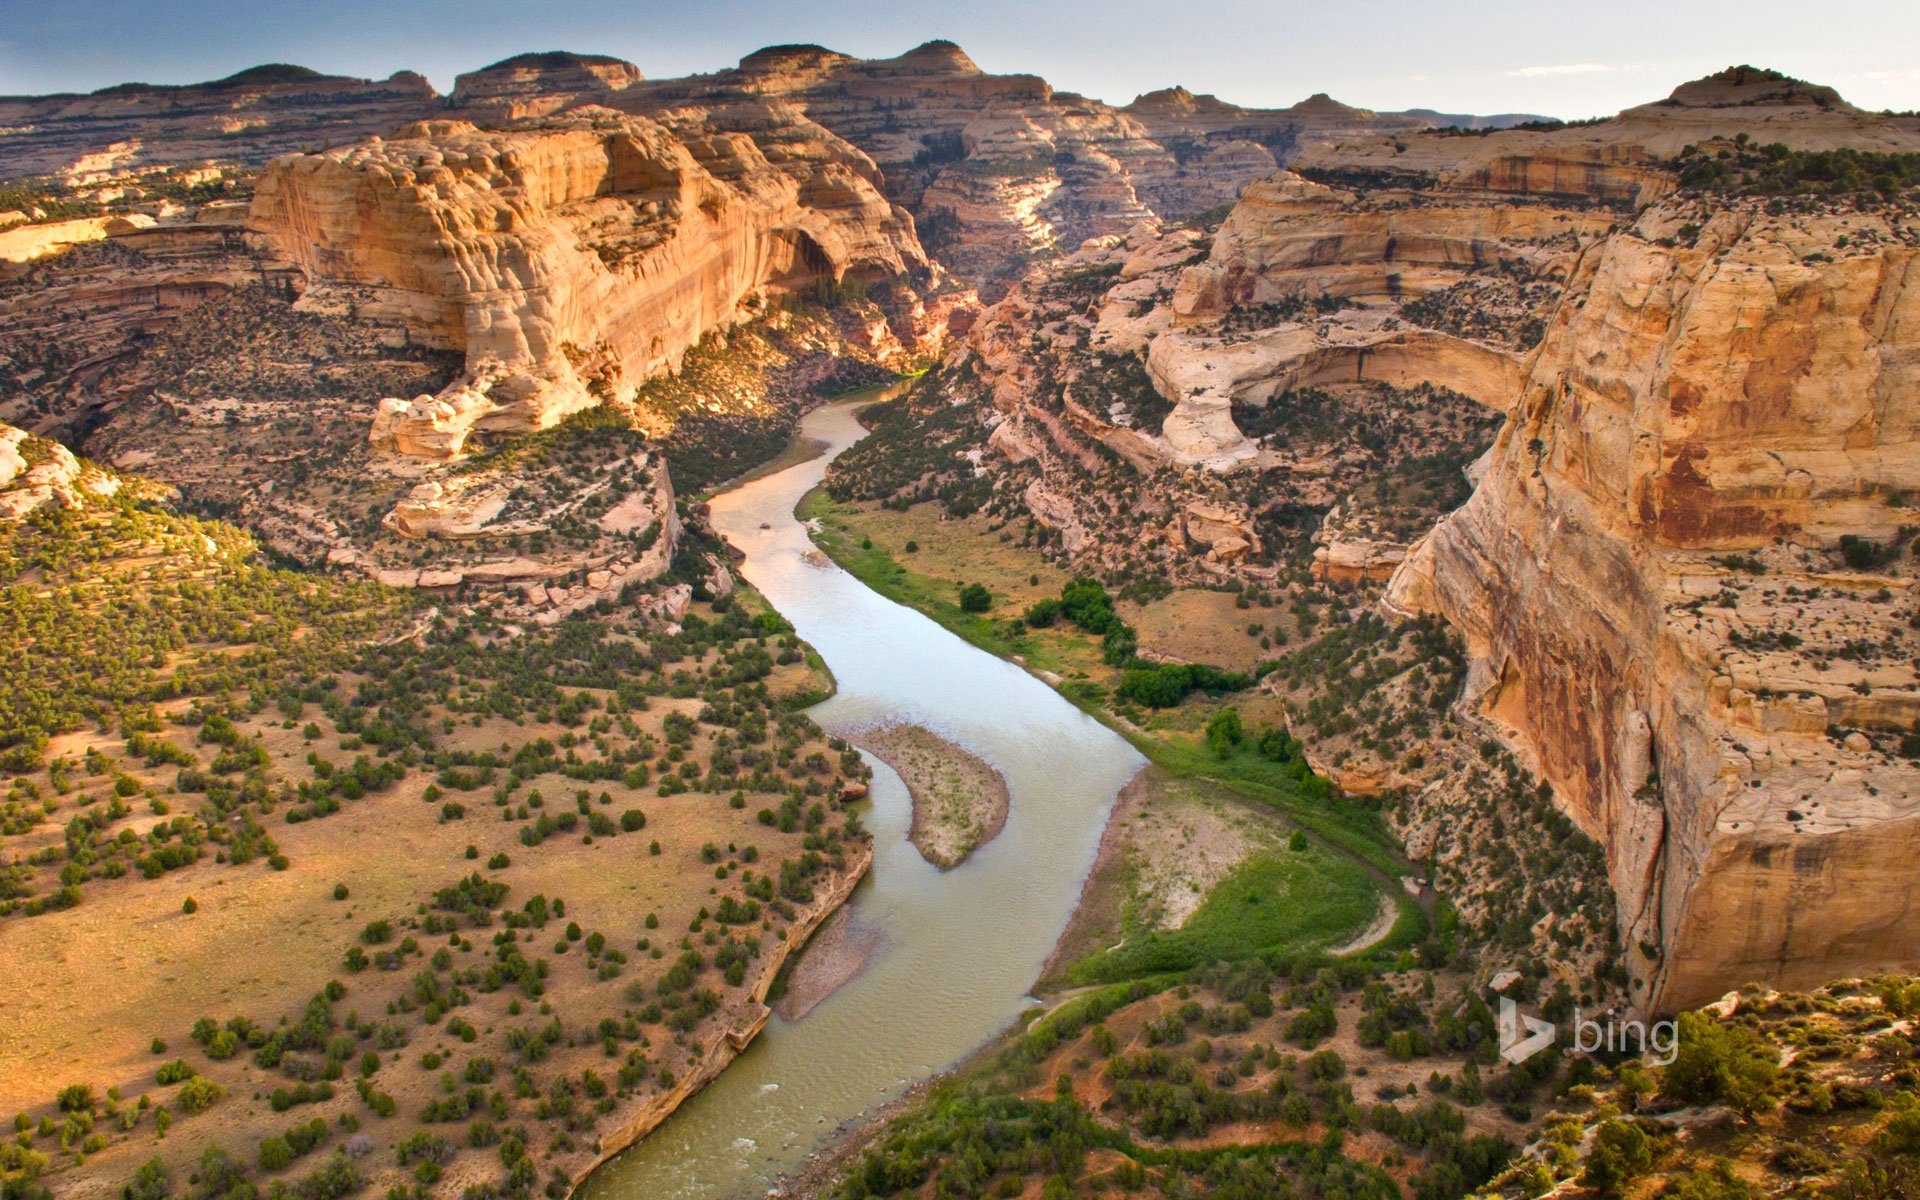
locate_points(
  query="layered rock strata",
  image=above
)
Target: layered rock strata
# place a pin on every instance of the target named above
(571, 260)
(1651, 582)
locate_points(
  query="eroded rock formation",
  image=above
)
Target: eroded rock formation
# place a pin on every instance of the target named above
(1649, 586)
(573, 259)
(247, 118)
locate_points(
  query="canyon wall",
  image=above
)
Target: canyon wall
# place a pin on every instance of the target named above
(1648, 582)
(573, 259)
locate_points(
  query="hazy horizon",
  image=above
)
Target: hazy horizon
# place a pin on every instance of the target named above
(1554, 59)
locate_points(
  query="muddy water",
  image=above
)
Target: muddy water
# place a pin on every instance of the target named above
(959, 949)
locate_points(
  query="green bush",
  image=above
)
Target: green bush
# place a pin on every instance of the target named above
(1621, 1153)
(150, 1182)
(199, 1094)
(1718, 1063)
(275, 1154)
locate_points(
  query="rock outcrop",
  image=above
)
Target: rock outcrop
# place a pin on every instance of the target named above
(573, 259)
(539, 85)
(35, 473)
(1648, 582)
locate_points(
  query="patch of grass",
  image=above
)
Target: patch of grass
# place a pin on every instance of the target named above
(1274, 903)
(1353, 828)
(875, 566)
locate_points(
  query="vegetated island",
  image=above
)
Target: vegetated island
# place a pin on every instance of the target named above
(959, 800)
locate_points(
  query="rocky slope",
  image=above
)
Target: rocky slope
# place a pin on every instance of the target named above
(1618, 161)
(1700, 351)
(245, 118)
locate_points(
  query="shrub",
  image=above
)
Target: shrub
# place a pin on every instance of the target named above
(199, 1094)
(1717, 1182)
(1719, 1063)
(1865, 554)
(1621, 1153)
(1042, 613)
(975, 598)
(275, 1154)
(150, 1182)
(1225, 732)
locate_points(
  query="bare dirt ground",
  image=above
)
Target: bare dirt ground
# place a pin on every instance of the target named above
(959, 801)
(1196, 625)
(1375, 933)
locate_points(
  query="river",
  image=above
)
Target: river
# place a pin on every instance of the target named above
(960, 948)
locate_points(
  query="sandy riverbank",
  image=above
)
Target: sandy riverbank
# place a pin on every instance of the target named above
(832, 959)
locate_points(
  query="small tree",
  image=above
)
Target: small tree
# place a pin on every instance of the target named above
(1719, 1063)
(1621, 1154)
(150, 1182)
(975, 598)
(1225, 732)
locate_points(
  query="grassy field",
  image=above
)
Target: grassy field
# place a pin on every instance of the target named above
(1274, 901)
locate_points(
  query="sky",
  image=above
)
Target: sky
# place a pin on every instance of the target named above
(1548, 57)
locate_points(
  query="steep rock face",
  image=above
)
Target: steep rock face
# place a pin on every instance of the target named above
(1725, 733)
(571, 260)
(247, 118)
(22, 244)
(1000, 164)
(1289, 237)
(1305, 286)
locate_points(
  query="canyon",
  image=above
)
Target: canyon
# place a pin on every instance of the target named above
(1560, 475)
(1699, 398)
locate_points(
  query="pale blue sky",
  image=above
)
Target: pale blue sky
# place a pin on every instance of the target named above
(1563, 59)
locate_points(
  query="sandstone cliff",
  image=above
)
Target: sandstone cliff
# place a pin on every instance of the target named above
(1685, 578)
(1657, 614)
(572, 260)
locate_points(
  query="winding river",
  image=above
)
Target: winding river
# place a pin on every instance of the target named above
(959, 949)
